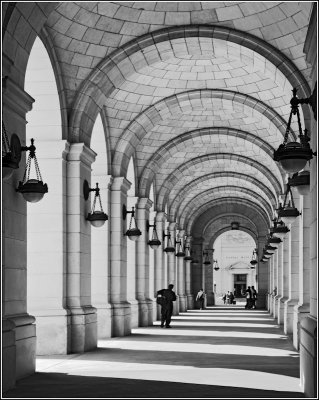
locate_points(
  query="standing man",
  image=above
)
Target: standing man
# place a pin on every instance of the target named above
(248, 298)
(253, 297)
(201, 297)
(167, 305)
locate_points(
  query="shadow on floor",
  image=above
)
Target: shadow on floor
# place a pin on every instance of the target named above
(51, 385)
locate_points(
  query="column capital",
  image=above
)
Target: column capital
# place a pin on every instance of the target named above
(144, 203)
(81, 152)
(15, 98)
(160, 216)
(120, 183)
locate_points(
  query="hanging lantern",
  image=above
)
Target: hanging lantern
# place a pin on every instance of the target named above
(11, 153)
(179, 251)
(194, 258)
(254, 261)
(96, 218)
(206, 258)
(301, 182)
(154, 243)
(32, 190)
(288, 212)
(215, 265)
(279, 229)
(133, 232)
(234, 226)
(293, 156)
(270, 249)
(169, 248)
(274, 241)
(187, 257)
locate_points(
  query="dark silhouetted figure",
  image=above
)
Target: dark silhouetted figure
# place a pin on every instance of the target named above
(201, 297)
(248, 298)
(253, 297)
(167, 305)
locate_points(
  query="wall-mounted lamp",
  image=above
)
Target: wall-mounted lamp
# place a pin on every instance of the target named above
(32, 190)
(188, 256)
(169, 248)
(301, 182)
(179, 250)
(293, 156)
(279, 230)
(215, 265)
(254, 261)
(11, 153)
(194, 257)
(274, 241)
(154, 243)
(288, 212)
(96, 218)
(206, 258)
(131, 233)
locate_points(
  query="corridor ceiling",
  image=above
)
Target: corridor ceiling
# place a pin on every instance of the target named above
(197, 92)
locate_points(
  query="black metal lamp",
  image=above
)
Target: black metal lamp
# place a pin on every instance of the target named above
(235, 226)
(279, 230)
(274, 241)
(206, 258)
(32, 190)
(215, 265)
(301, 182)
(96, 218)
(293, 156)
(11, 153)
(254, 261)
(133, 232)
(154, 243)
(288, 212)
(169, 248)
(194, 257)
(188, 256)
(179, 250)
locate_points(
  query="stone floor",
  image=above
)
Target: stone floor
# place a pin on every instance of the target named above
(219, 352)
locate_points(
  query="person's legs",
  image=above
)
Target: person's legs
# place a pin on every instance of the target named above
(169, 316)
(163, 316)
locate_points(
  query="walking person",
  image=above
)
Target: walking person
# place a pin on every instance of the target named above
(253, 297)
(231, 298)
(168, 296)
(201, 298)
(224, 298)
(227, 298)
(248, 298)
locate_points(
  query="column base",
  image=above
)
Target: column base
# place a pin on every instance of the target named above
(25, 344)
(308, 356)
(8, 355)
(190, 301)
(121, 319)
(182, 300)
(276, 312)
(53, 332)
(281, 310)
(83, 329)
(134, 319)
(300, 312)
(289, 315)
(104, 318)
(176, 307)
(151, 303)
(143, 312)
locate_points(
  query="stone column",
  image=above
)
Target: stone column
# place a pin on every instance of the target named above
(78, 251)
(100, 251)
(188, 279)
(181, 277)
(145, 304)
(275, 289)
(262, 276)
(293, 271)
(285, 278)
(46, 255)
(301, 310)
(280, 288)
(159, 259)
(121, 310)
(269, 297)
(171, 266)
(18, 328)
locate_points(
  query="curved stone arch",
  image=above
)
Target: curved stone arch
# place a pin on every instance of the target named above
(221, 190)
(173, 178)
(226, 201)
(176, 202)
(48, 44)
(107, 76)
(104, 119)
(159, 111)
(164, 153)
(232, 216)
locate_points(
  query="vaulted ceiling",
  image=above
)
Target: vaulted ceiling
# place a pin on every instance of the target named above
(197, 92)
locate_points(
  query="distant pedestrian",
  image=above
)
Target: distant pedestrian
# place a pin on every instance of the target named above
(167, 305)
(253, 297)
(231, 298)
(201, 298)
(248, 298)
(224, 298)
(228, 297)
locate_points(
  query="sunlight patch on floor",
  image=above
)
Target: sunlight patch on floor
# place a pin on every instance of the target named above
(194, 324)
(191, 347)
(186, 332)
(179, 374)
